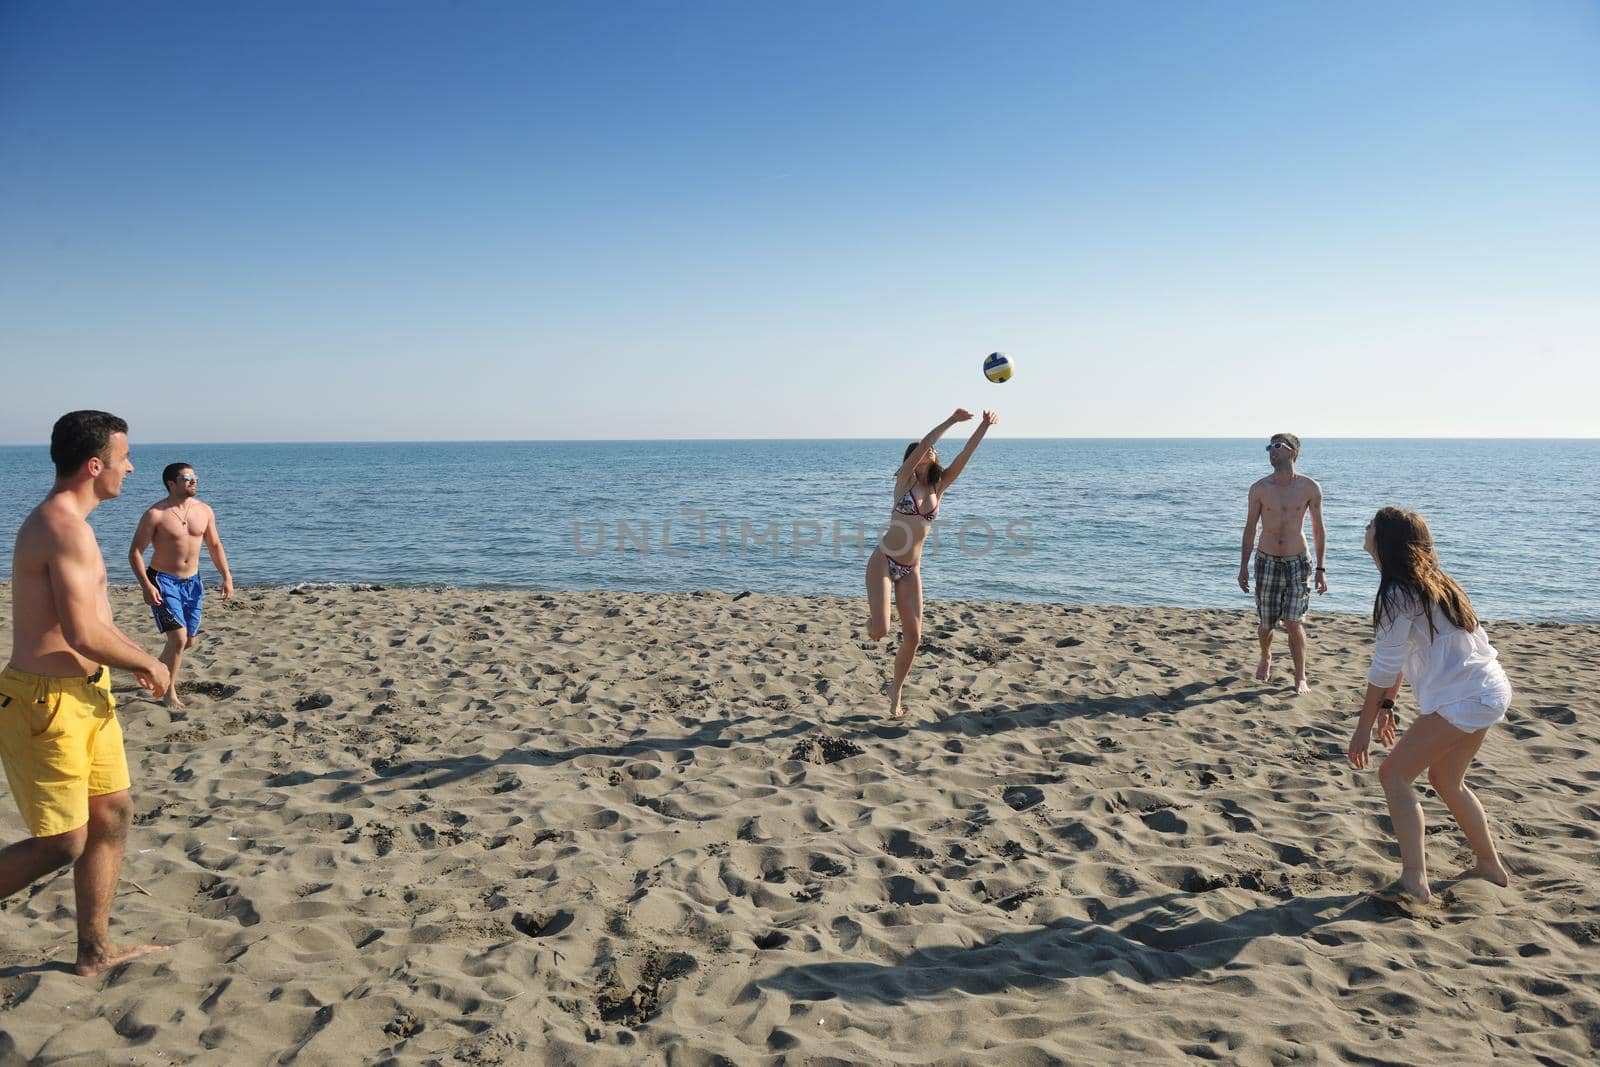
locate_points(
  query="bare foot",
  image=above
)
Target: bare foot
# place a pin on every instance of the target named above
(94, 963)
(1489, 872)
(1417, 886)
(171, 699)
(1263, 668)
(1301, 687)
(1407, 889)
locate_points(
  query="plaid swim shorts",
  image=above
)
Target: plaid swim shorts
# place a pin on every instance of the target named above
(1283, 588)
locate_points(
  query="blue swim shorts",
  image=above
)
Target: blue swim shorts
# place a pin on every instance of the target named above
(180, 601)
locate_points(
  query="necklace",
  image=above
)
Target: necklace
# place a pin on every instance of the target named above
(183, 516)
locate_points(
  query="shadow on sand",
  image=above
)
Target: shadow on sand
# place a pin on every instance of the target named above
(448, 769)
(1157, 941)
(443, 771)
(1000, 717)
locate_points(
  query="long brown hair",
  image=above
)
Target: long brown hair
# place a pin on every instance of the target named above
(935, 472)
(1408, 565)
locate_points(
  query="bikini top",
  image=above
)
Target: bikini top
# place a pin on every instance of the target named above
(907, 505)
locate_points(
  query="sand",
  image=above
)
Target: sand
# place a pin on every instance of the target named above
(462, 826)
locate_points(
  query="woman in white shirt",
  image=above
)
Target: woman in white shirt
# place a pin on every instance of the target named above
(1427, 630)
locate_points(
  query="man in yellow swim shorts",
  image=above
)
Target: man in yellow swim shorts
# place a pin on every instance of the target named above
(60, 740)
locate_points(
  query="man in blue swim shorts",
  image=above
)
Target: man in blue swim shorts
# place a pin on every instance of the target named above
(177, 526)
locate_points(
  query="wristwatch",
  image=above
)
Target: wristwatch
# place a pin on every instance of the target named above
(1385, 705)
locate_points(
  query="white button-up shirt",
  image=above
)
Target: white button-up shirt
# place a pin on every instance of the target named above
(1445, 668)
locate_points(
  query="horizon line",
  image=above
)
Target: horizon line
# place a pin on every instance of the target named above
(780, 440)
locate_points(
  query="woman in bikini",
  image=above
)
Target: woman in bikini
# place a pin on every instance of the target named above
(1426, 629)
(894, 567)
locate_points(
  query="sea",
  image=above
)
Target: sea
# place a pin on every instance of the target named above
(1075, 521)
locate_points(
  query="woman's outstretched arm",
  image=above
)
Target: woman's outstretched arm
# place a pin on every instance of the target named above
(952, 472)
(924, 446)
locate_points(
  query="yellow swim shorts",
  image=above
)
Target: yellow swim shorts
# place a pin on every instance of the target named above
(61, 744)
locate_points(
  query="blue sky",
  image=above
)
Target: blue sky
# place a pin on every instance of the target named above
(354, 221)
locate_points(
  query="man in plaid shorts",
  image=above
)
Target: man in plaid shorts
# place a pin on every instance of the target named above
(1279, 503)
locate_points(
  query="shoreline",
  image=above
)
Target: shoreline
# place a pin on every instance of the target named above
(602, 827)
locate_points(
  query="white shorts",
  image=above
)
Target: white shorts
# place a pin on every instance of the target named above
(1470, 715)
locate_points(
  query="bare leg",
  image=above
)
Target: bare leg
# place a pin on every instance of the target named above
(1264, 668)
(1448, 778)
(908, 601)
(1429, 738)
(1297, 649)
(878, 585)
(172, 656)
(95, 878)
(26, 862)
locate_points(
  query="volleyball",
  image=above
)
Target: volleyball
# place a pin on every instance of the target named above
(997, 367)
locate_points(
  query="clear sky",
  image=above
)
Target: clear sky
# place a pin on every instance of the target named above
(475, 220)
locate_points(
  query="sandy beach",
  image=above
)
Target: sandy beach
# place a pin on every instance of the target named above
(464, 826)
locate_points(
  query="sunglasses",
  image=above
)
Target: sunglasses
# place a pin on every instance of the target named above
(188, 479)
(1280, 444)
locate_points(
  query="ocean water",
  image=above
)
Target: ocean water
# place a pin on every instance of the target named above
(1133, 522)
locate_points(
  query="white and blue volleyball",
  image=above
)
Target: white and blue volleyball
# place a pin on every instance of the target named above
(997, 367)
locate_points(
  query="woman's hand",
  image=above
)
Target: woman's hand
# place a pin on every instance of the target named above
(989, 419)
(1358, 749)
(1386, 726)
(961, 415)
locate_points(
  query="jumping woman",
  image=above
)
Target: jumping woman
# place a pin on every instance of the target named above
(895, 566)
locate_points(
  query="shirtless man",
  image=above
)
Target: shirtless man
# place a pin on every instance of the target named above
(1279, 502)
(178, 526)
(59, 736)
